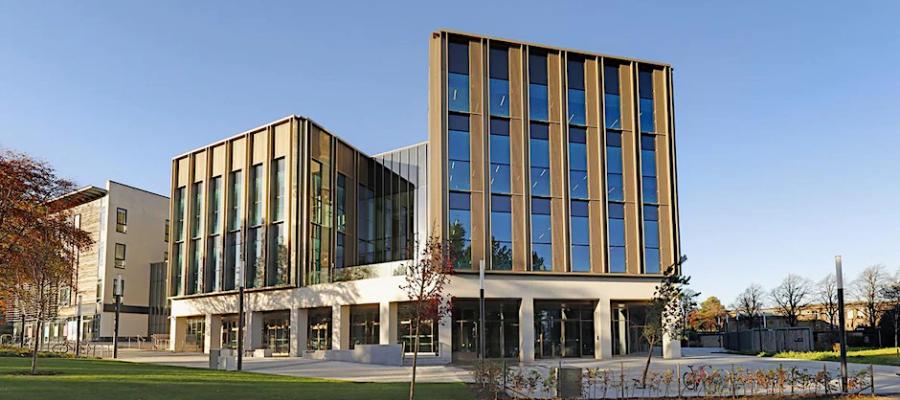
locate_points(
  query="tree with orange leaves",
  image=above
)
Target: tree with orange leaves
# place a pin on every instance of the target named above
(37, 237)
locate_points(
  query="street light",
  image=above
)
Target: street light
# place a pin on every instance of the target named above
(481, 310)
(240, 338)
(843, 335)
(118, 291)
(78, 329)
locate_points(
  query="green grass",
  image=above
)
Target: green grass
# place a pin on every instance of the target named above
(101, 379)
(884, 356)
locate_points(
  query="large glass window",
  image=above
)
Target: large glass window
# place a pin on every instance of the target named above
(617, 237)
(458, 152)
(120, 256)
(340, 219)
(615, 189)
(215, 205)
(194, 267)
(277, 267)
(648, 169)
(179, 214)
(581, 236)
(651, 240)
(541, 235)
(612, 104)
(121, 220)
(500, 179)
(538, 103)
(364, 323)
(576, 106)
(366, 224)
(197, 210)
(406, 332)
(233, 260)
(458, 76)
(256, 194)
(255, 262)
(648, 123)
(499, 89)
(578, 174)
(460, 232)
(539, 146)
(213, 273)
(318, 335)
(501, 232)
(235, 200)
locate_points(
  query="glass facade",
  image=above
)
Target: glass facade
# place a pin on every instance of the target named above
(501, 330)
(499, 81)
(539, 151)
(563, 329)
(651, 240)
(460, 230)
(538, 101)
(580, 236)
(318, 329)
(612, 103)
(616, 232)
(364, 326)
(647, 114)
(501, 232)
(500, 156)
(458, 76)
(541, 235)
(458, 152)
(406, 332)
(254, 257)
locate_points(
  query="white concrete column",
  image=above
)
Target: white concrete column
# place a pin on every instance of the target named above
(384, 323)
(526, 330)
(177, 331)
(445, 338)
(340, 327)
(213, 335)
(254, 330)
(671, 347)
(299, 327)
(603, 330)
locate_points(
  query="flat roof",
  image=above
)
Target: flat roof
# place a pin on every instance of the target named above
(81, 196)
(544, 46)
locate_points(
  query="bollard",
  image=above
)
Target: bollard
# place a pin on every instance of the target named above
(872, 378)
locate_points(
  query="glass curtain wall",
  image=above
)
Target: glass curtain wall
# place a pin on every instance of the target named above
(615, 193)
(649, 191)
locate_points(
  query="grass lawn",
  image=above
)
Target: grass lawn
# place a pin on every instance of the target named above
(101, 379)
(884, 356)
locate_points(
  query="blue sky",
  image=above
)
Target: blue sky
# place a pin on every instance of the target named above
(786, 112)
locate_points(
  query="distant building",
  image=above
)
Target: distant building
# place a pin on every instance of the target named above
(128, 226)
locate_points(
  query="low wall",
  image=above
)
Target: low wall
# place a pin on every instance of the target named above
(770, 340)
(383, 354)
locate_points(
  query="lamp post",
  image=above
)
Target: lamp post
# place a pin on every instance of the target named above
(240, 337)
(843, 332)
(481, 310)
(78, 329)
(118, 291)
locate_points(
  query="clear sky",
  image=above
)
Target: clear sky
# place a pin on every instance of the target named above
(787, 115)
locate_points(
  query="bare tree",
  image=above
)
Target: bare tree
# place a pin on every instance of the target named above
(892, 297)
(826, 294)
(750, 303)
(425, 286)
(869, 289)
(791, 296)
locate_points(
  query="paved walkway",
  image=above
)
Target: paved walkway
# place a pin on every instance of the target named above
(886, 377)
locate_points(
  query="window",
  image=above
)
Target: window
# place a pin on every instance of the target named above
(194, 282)
(648, 169)
(539, 146)
(617, 237)
(612, 109)
(278, 190)
(364, 325)
(499, 83)
(179, 214)
(645, 80)
(236, 200)
(255, 262)
(501, 232)
(615, 189)
(458, 76)
(578, 174)
(458, 152)
(460, 230)
(277, 266)
(500, 179)
(651, 240)
(213, 274)
(121, 220)
(166, 234)
(196, 210)
(538, 104)
(576, 106)
(177, 270)
(541, 235)
(406, 333)
(581, 237)
(366, 224)
(120, 255)
(256, 194)
(341, 219)
(215, 206)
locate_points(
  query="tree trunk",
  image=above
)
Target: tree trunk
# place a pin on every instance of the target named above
(412, 382)
(647, 365)
(37, 344)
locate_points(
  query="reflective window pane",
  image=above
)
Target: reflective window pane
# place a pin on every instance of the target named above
(500, 178)
(651, 261)
(581, 258)
(576, 107)
(538, 105)
(499, 100)
(612, 111)
(458, 92)
(617, 259)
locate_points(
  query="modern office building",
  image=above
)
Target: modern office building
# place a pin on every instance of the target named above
(554, 167)
(128, 226)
